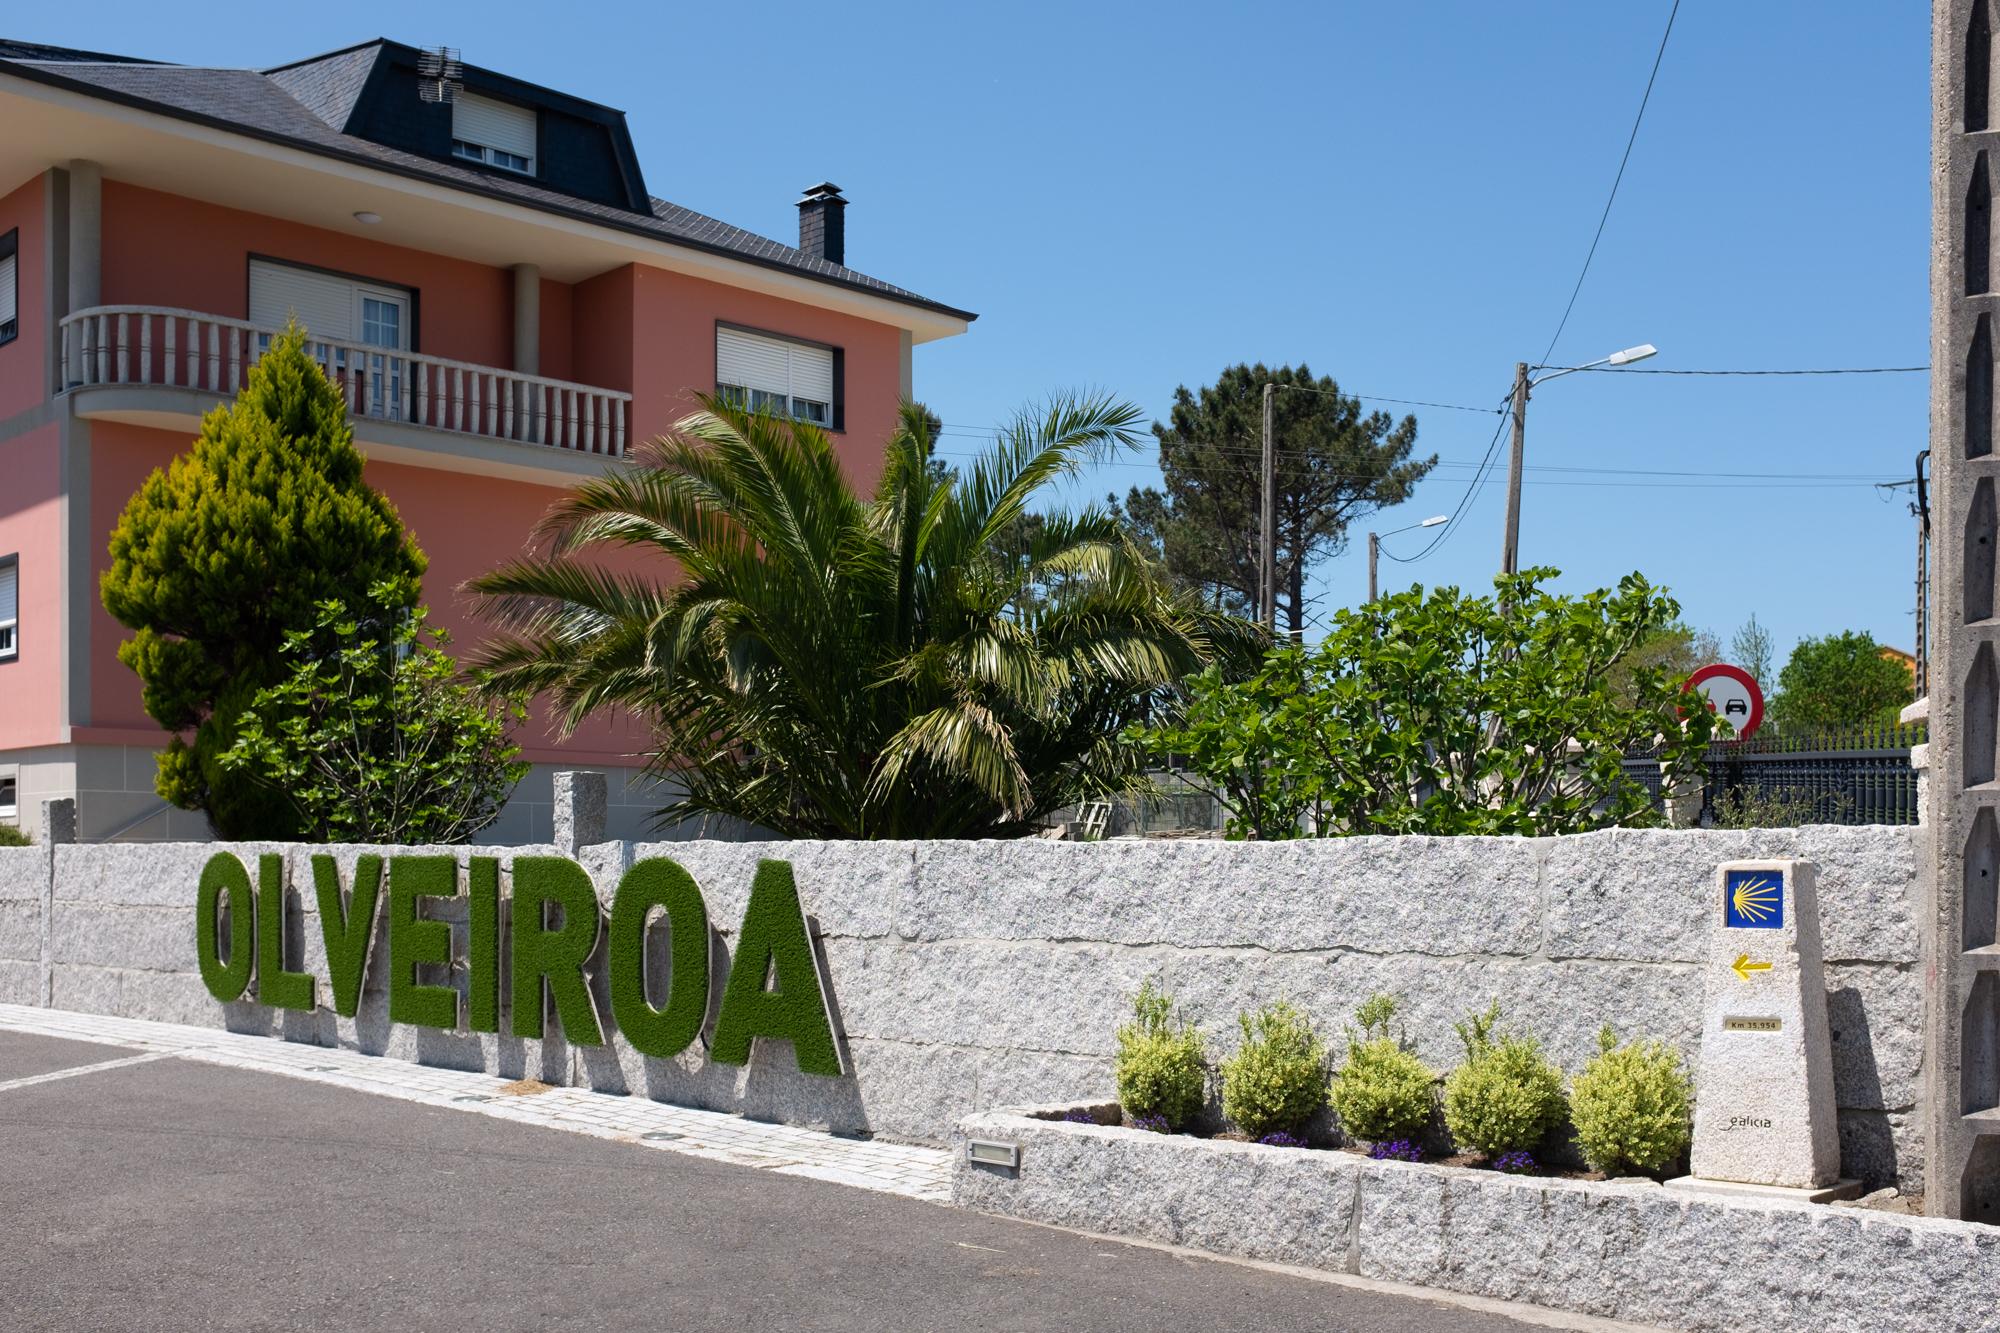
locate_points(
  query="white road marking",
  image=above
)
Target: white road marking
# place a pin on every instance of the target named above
(77, 1071)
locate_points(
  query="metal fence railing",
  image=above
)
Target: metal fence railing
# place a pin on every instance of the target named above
(1860, 775)
(1171, 809)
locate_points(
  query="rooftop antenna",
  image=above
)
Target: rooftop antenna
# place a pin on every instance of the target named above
(440, 74)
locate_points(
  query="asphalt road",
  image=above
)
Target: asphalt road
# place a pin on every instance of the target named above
(177, 1195)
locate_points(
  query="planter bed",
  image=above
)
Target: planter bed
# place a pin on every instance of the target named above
(1109, 1115)
(1616, 1249)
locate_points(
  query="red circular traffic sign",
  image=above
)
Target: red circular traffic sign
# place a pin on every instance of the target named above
(1732, 694)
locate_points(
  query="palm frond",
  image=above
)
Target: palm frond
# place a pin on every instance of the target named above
(821, 664)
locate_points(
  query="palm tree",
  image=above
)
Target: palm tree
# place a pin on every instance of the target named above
(922, 663)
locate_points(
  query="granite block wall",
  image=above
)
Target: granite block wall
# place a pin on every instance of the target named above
(966, 976)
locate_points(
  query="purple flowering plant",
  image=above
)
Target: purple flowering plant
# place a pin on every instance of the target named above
(1517, 1164)
(1397, 1150)
(1152, 1124)
(1280, 1139)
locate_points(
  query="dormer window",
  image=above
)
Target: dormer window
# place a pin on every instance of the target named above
(498, 134)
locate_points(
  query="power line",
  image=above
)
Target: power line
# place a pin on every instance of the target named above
(983, 431)
(1471, 490)
(1452, 525)
(986, 432)
(1842, 370)
(1864, 478)
(1377, 398)
(1647, 481)
(1604, 217)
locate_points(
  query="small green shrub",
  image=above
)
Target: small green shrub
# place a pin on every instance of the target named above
(1782, 807)
(1630, 1106)
(12, 837)
(1506, 1097)
(1276, 1079)
(1383, 1092)
(1162, 1069)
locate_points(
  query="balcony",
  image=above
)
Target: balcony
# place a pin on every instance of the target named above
(154, 366)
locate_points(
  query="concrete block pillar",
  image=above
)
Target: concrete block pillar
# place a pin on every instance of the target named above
(58, 828)
(528, 319)
(1680, 798)
(581, 802)
(59, 821)
(527, 340)
(86, 235)
(1961, 1090)
(1920, 765)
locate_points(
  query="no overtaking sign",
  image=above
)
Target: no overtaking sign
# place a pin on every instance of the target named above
(1732, 695)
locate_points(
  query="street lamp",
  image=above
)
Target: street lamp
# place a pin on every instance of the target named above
(1375, 545)
(1511, 541)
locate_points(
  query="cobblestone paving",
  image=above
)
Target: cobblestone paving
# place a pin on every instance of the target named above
(918, 1173)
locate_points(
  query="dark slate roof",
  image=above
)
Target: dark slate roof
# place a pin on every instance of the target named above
(305, 104)
(13, 50)
(329, 85)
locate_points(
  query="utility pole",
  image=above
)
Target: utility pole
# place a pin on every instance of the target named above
(1267, 571)
(1921, 508)
(1375, 546)
(1510, 547)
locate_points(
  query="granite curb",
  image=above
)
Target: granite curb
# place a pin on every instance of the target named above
(1627, 1251)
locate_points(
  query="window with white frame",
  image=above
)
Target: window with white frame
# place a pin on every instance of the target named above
(776, 375)
(499, 134)
(340, 309)
(10, 607)
(10, 285)
(10, 794)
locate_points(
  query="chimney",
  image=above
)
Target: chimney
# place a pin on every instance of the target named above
(823, 223)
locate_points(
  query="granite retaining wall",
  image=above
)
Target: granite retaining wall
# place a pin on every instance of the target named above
(972, 975)
(1626, 1251)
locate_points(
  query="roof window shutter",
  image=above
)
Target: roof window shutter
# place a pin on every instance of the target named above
(9, 297)
(492, 124)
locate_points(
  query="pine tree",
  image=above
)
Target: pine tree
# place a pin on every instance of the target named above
(1336, 464)
(230, 547)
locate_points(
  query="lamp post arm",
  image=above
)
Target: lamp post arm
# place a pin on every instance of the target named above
(1560, 371)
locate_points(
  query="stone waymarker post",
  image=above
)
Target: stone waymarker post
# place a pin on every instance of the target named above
(1764, 1107)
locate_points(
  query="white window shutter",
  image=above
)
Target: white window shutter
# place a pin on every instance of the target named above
(750, 362)
(492, 124)
(812, 373)
(324, 304)
(9, 296)
(10, 592)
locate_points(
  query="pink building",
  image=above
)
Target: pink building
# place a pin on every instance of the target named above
(480, 267)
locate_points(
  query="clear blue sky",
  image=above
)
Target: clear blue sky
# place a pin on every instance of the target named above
(1134, 196)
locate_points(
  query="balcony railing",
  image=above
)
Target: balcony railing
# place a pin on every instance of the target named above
(135, 344)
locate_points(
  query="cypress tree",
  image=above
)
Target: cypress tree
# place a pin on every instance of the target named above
(221, 553)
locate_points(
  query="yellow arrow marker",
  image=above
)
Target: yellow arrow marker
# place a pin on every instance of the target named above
(1743, 967)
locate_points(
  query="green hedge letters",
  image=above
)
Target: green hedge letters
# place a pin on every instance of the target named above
(554, 926)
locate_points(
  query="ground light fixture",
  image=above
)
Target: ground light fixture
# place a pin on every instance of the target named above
(1375, 544)
(366, 218)
(1524, 380)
